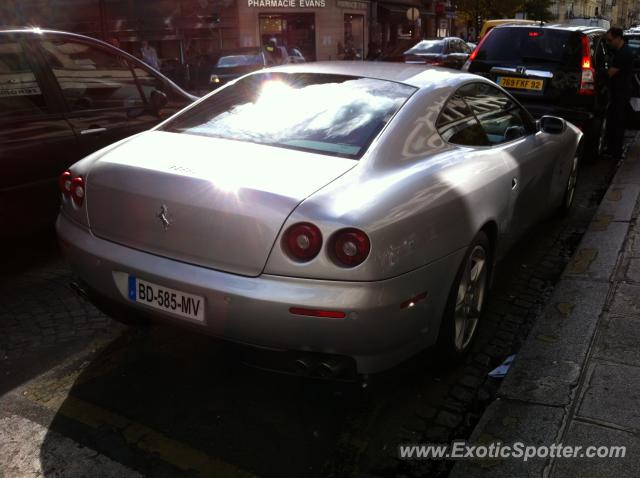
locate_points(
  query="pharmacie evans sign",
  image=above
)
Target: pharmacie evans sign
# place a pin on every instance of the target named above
(287, 3)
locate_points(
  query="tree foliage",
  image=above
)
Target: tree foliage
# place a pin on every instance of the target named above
(476, 11)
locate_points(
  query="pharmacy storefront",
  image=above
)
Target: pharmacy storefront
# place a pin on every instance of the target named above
(320, 29)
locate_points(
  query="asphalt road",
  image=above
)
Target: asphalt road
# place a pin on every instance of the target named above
(165, 402)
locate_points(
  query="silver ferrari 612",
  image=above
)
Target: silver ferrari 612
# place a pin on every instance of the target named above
(348, 214)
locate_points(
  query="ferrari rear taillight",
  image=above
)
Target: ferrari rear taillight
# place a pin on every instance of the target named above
(64, 181)
(302, 241)
(587, 80)
(72, 187)
(77, 190)
(350, 247)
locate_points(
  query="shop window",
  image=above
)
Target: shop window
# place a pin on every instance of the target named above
(353, 37)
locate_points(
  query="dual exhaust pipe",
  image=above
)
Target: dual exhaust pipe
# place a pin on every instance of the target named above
(332, 367)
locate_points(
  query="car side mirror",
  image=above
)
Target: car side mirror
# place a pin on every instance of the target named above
(157, 101)
(552, 124)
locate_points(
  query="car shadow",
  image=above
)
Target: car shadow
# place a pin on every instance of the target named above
(170, 402)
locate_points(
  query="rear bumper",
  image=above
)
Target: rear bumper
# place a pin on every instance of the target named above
(377, 332)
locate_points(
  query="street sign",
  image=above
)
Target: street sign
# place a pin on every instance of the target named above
(413, 14)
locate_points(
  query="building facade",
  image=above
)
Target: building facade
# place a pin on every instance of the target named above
(623, 13)
(179, 29)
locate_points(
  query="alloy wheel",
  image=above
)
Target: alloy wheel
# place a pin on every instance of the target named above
(470, 298)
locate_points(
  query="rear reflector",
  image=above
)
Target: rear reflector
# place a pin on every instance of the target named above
(327, 314)
(407, 304)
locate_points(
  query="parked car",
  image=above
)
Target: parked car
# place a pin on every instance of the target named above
(448, 52)
(233, 64)
(553, 70)
(296, 56)
(351, 214)
(62, 97)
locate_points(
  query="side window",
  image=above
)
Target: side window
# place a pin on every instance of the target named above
(148, 82)
(457, 124)
(461, 47)
(501, 118)
(20, 94)
(600, 56)
(90, 77)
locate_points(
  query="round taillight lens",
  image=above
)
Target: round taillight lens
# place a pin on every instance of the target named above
(303, 241)
(351, 247)
(77, 190)
(64, 181)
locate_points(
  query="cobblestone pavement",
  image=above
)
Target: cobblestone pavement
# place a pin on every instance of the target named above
(165, 402)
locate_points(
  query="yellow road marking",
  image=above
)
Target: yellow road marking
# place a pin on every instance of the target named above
(52, 391)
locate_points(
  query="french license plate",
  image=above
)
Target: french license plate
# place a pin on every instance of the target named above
(166, 299)
(520, 83)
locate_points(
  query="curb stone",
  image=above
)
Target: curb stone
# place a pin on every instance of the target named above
(536, 397)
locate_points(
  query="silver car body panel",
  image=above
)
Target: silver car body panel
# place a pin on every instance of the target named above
(420, 200)
(377, 333)
(230, 204)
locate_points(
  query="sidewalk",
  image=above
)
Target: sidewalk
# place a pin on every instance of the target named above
(576, 380)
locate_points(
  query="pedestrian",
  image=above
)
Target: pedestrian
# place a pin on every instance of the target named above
(276, 55)
(620, 74)
(149, 55)
(115, 42)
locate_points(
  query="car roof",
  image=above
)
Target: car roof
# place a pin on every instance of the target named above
(556, 26)
(417, 76)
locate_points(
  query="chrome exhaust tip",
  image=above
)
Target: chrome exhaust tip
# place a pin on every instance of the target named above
(303, 366)
(331, 368)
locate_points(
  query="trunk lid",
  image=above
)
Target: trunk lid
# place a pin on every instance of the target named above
(206, 201)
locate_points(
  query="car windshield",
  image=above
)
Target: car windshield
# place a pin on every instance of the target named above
(426, 46)
(531, 45)
(336, 115)
(239, 60)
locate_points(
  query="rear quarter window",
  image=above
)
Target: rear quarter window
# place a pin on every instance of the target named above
(532, 45)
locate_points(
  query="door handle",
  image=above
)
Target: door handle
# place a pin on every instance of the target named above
(93, 131)
(514, 183)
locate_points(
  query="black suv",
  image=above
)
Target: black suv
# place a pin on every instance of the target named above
(555, 70)
(62, 97)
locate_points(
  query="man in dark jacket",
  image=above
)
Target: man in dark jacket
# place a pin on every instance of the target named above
(620, 75)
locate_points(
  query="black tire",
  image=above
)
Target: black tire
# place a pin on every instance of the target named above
(572, 181)
(451, 345)
(596, 138)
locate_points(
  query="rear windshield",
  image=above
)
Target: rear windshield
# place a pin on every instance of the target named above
(426, 46)
(531, 45)
(335, 115)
